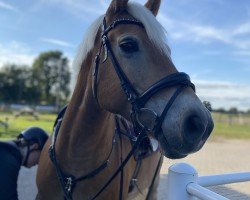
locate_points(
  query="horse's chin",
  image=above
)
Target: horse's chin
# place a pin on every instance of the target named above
(167, 149)
(173, 155)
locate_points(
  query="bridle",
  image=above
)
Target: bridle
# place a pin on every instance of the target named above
(137, 102)
(136, 99)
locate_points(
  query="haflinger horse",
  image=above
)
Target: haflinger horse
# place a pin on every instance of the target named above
(130, 106)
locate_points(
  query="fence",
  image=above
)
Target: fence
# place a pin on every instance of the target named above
(184, 183)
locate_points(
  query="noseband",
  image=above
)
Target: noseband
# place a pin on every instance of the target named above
(136, 99)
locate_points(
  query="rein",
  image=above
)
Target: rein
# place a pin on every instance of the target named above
(137, 102)
(68, 182)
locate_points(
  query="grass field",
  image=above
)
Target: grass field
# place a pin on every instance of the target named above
(229, 126)
(16, 125)
(232, 126)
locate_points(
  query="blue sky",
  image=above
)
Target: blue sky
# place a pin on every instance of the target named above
(209, 39)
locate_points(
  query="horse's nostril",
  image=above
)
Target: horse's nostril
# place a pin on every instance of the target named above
(194, 129)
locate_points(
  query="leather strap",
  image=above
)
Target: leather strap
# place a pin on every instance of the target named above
(155, 175)
(68, 181)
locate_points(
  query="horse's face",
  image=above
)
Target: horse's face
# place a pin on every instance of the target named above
(187, 124)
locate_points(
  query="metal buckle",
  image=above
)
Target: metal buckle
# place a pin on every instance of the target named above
(68, 186)
(152, 119)
(104, 43)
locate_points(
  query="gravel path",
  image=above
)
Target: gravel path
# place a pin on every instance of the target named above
(216, 157)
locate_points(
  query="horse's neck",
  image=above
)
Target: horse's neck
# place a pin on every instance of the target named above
(86, 132)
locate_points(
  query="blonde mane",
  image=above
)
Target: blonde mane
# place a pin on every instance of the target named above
(155, 32)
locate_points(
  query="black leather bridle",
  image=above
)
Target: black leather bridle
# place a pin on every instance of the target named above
(137, 101)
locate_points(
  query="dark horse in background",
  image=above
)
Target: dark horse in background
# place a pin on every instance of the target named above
(130, 106)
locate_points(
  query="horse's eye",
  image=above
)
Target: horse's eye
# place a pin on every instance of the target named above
(129, 46)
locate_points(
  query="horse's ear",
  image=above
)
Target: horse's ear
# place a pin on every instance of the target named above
(153, 6)
(117, 6)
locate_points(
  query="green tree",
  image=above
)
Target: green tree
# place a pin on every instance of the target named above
(17, 85)
(51, 70)
(233, 110)
(220, 110)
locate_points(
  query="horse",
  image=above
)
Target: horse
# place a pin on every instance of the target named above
(129, 107)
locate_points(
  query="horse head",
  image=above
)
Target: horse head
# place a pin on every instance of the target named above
(134, 76)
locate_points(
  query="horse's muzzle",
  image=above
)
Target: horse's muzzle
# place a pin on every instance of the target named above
(193, 135)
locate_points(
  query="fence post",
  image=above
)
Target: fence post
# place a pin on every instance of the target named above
(179, 175)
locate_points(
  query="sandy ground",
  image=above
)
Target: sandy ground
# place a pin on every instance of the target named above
(216, 157)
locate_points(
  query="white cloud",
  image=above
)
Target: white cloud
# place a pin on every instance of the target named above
(242, 29)
(242, 53)
(57, 42)
(181, 30)
(224, 94)
(214, 52)
(15, 52)
(6, 6)
(232, 53)
(186, 31)
(207, 32)
(82, 9)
